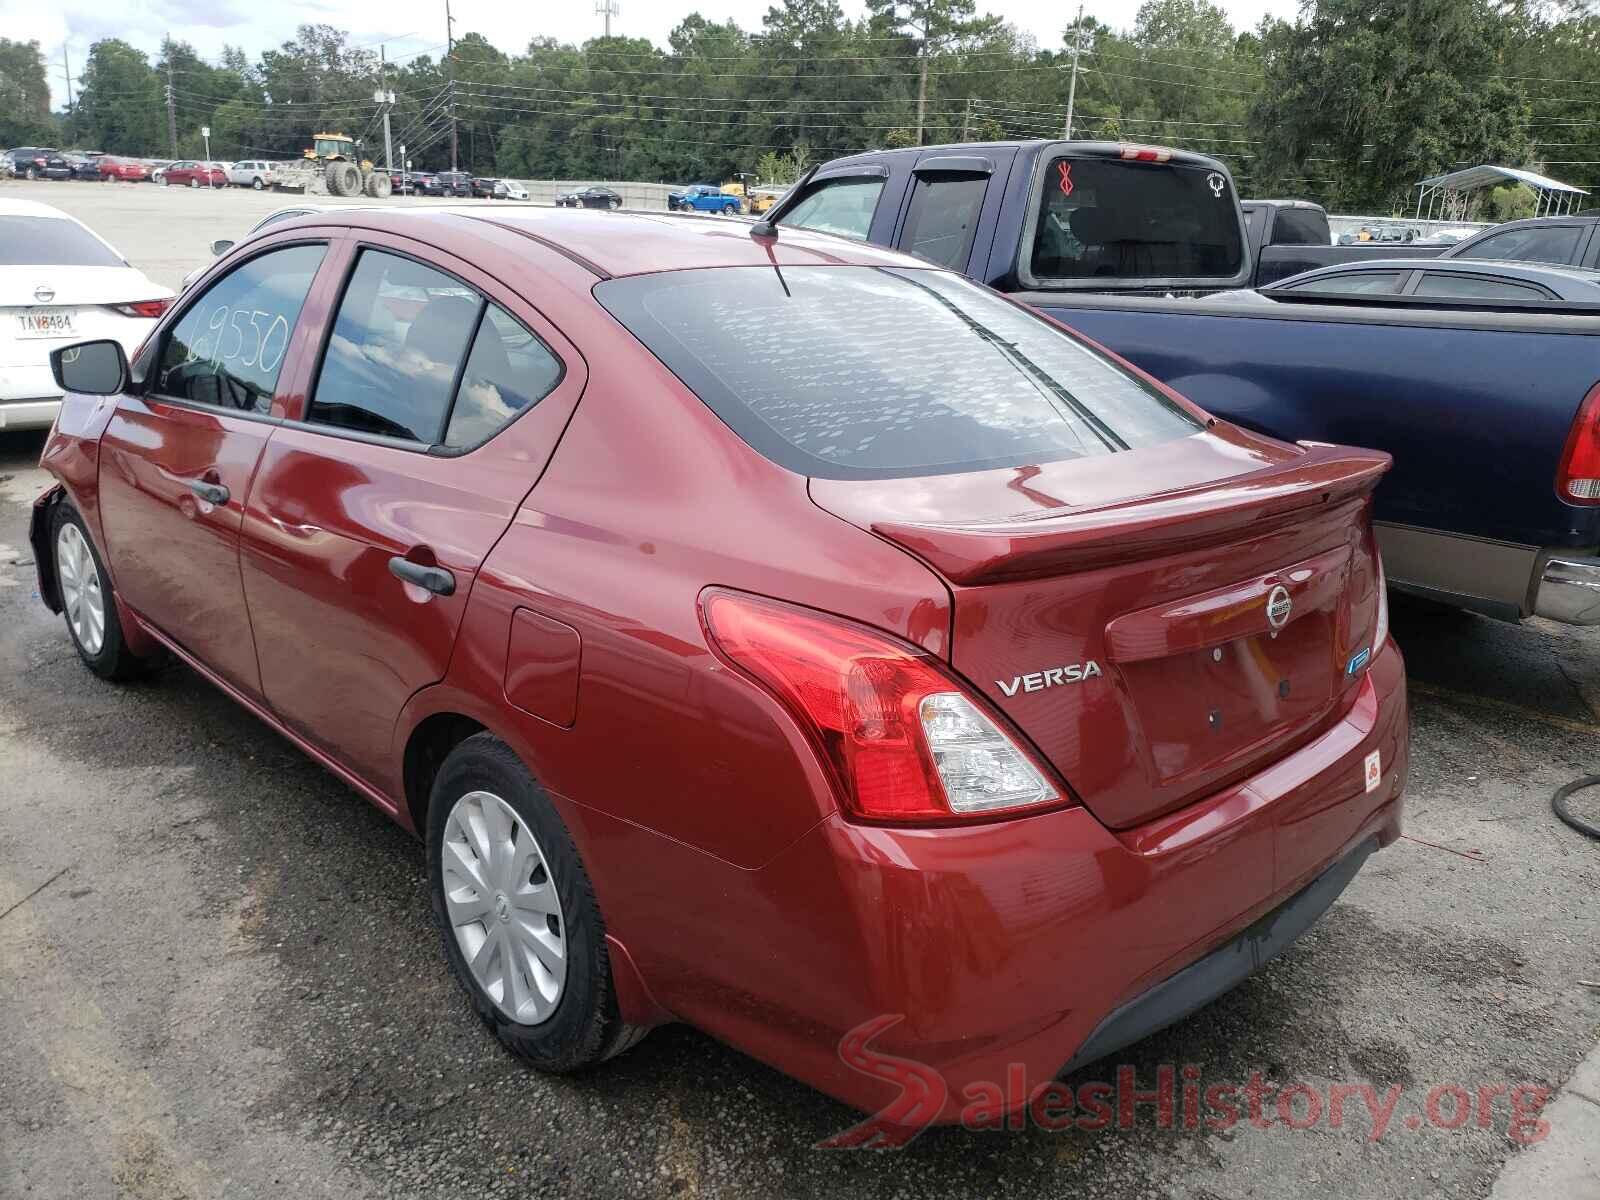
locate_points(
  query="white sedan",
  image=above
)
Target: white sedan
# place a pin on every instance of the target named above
(60, 283)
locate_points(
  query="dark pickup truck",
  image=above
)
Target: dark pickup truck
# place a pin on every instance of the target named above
(1491, 409)
(1289, 236)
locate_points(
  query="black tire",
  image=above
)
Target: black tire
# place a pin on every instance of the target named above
(585, 1027)
(257, 184)
(616, 204)
(30, 173)
(685, 207)
(114, 661)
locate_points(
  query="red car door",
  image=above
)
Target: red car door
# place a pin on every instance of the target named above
(438, 399)
(176, 459)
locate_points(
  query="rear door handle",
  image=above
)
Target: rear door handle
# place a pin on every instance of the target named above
(211, 493)
(433, 579)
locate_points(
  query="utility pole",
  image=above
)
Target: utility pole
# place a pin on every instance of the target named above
(450, 54)
(1072, 88)
(386, 98)
(608, 9)
(66, 69)
(172, 108)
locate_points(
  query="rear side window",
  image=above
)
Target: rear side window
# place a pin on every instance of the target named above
(840, 206)
(1107, 218)
(864, 372)
(1449, 285)
(228, 347)
(1300, 227)
(1354, 283)
(417, 355)
(944, 217)
(52, 242)
(1536, 243)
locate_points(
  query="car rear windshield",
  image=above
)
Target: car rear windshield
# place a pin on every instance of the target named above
(853, 372)
(1115, 219)
(51, 242)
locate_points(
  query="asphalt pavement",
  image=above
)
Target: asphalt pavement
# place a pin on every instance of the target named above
(218, 974)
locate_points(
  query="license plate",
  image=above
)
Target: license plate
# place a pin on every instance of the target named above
(45, 323)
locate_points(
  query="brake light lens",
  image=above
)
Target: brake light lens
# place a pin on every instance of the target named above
(142, 308)
(1578, 477)
(903, 740)
(1146, 153)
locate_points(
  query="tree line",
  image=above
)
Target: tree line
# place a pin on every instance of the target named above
(1350, 103)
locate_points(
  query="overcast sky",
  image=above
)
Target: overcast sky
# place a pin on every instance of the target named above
(409, 27)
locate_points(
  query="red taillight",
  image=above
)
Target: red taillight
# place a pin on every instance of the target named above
(905, 742)
(142, 308)
(1146, 153)
(1578, 476)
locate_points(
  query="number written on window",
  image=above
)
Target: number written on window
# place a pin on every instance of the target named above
(228, 347)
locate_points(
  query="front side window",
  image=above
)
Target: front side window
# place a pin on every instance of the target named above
(1535, 243)
(944, 218)
(418, 355)
(1109, 218)
(229, 346)
(839, 206)
(864, 372)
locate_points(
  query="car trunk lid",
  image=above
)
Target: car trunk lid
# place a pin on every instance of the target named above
(1160, 623)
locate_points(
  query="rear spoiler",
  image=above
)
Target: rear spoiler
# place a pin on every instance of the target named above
(1029, 545)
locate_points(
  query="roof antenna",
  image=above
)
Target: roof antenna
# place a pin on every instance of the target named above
(767, 239)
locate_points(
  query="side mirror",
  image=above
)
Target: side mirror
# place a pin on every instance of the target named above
(221, 246)
(92, 368)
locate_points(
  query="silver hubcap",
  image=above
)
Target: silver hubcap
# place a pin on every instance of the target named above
(81, 595)
(503, 907)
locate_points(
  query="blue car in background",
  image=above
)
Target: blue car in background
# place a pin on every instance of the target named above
(703, 197)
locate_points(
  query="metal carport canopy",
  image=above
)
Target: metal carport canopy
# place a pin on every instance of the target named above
(1553, 195)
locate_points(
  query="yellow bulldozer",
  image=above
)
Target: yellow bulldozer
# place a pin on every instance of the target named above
(330, 168)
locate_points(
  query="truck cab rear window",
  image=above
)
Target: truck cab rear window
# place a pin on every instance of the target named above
(1115, 219)
(863, 372)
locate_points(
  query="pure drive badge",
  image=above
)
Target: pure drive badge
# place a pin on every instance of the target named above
(1037, 681)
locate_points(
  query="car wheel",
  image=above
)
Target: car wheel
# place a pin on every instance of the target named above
(517, 913)
(257, 184)
(87, 600)
(165, 182)
(616, 204)
(194, 181)
(30, 173)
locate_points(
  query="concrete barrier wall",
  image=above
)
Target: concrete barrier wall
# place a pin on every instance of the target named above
(634, 195)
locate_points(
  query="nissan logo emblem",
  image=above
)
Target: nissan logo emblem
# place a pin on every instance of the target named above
(44, 293)
(1278, 607)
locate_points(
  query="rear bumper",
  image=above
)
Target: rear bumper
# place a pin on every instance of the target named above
(1569, 590)
(1025, 945)
(37, 413)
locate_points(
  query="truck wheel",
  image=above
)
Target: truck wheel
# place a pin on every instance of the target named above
(686, 207)
(343, 178)
(379, 186)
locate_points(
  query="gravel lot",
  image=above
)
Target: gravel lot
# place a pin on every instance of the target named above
(218, 975)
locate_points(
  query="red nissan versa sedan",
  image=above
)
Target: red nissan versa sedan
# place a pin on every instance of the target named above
(768, 633)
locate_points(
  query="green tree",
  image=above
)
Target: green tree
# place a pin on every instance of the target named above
(931, 27)
(1388, 93)
(120, 104)
(24, 94)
